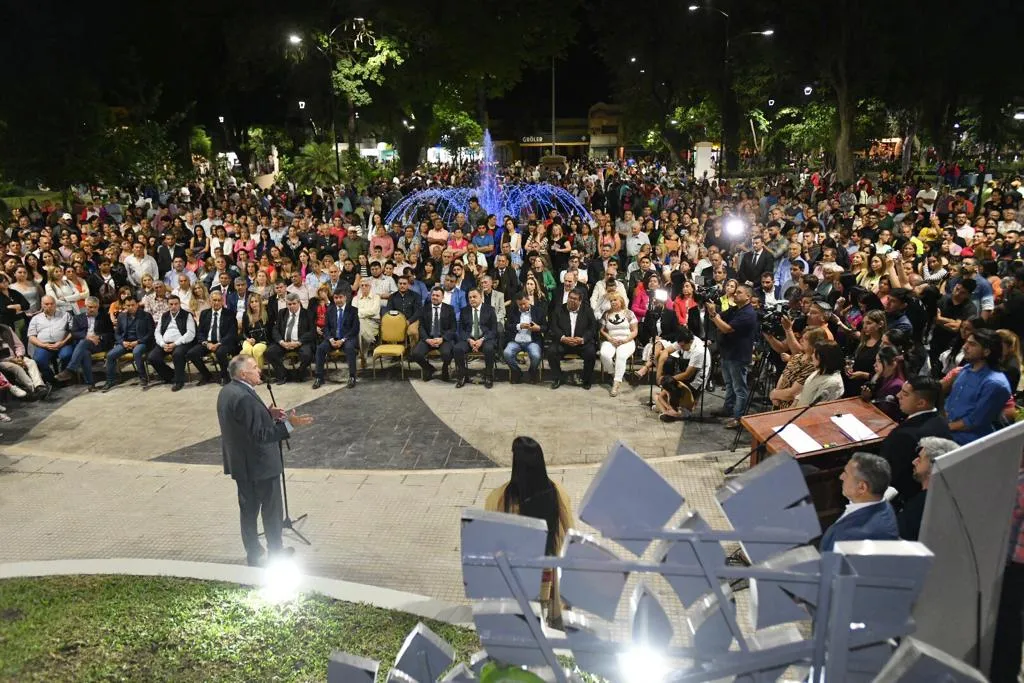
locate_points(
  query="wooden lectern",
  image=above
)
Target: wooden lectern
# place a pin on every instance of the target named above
(829, 461)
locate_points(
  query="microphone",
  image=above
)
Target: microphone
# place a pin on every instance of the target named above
(273, 402)
(761, 447)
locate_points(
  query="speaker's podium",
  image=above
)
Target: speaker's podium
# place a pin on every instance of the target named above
(823, 439)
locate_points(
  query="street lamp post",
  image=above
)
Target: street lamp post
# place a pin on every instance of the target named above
(296, 39)
(729, 117)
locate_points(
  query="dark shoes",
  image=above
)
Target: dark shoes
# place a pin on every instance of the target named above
(108, 386)
(317, 383)
(428, 373)
(462, 380)
(488, 382)
(203, 381)
(64, 376)
(282, 380)
(177, 387)
(445, 377)
(586, 385)
(351, 383)
(557, 382)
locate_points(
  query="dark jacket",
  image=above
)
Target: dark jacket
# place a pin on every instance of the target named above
(537, 316)
(488, 324)
(874, 523)
(669, 326)
(900, 448)
(909, 518)
(559, 325)
(96, 284)
(407, 304)
(507, 283)
(144, 327)
(750, 270)
(249, 435)
(102, 328)
(448, 332)
(349, 323)
(305, 327)
(227, 332)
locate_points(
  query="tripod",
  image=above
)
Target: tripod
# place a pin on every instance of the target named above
(763, 381)
(287, 522)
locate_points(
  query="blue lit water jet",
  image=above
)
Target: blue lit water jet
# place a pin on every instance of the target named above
(514, 199)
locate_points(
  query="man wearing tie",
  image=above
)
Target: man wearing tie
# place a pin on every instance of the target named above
(251, 433)
(90, 333)
(293, 331)
(174, 335)
(217, 335)
(573, 330)
(478, 333)
(755, 262)
(340, 334)
(437, 333)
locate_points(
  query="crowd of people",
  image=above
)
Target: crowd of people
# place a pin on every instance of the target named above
(907, 295)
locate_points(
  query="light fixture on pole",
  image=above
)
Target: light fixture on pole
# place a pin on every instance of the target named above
(302, 104)
(632, 60)
(1018, 116)
(220, 119)
(693, 8)
(771, 102)
(295, 39)
(674, 122)
(808, 90)
(768, 32)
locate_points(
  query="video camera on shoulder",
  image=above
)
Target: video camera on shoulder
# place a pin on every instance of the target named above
(708, 293)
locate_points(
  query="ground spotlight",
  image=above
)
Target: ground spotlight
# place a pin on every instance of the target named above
(282, 579)
(734, 227)
(643, 665)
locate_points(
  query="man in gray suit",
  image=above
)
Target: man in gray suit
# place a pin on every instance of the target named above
(251, 433)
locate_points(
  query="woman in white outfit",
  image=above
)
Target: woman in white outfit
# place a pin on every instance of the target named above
(618, 332)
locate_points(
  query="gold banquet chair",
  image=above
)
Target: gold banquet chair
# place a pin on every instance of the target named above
(393, 326)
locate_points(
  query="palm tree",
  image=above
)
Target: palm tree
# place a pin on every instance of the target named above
(314, 165)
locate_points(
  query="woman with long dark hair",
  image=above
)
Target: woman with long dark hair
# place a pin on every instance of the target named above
(531, 493)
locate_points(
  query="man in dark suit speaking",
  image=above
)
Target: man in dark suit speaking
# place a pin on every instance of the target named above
(251, 433)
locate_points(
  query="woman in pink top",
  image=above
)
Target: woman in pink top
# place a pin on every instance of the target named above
(458, 244)
(245, 242)
(382, 239)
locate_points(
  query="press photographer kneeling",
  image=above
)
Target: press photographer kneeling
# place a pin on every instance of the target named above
(681, 373)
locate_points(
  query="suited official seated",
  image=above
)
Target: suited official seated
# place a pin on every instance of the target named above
(216, 335)
(573, 330)
(524, 331)
(294, 331)
(134, 335)
(868, 517)
(341, 333)
(91, 332)
(908, 520)
(437, 333)
(919, 399)
(477, 333)
(174, 334)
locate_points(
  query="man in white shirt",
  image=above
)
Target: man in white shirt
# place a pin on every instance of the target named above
(298, 287)
(602, 288)
(174, 334)
(928, 195)
(140, 263)
(49, 333)
(381, 284)
(1008, 222)
(679, 391)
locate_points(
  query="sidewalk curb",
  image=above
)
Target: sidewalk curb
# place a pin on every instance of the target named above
(386, 598)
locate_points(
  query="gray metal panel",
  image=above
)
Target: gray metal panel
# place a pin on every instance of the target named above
(345, 668)
(596, 592)
(487, 533)
(628, 490)
(977, 481)
(918, 662)
(424, 655)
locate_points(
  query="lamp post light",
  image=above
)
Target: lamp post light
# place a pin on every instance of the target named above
(808, 90)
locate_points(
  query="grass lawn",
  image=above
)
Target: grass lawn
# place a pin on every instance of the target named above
(89, 628)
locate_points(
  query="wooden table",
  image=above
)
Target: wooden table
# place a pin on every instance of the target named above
(826, 464)
(818, 424)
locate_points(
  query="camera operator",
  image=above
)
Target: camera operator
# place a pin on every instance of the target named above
(736, 330)
(681, 375)
(818, 316)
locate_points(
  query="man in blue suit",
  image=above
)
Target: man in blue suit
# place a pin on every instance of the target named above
(340, 334)
(865, 478)
(134, 335)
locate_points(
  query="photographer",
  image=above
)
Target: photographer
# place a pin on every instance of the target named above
(736, 330)
(681, 376)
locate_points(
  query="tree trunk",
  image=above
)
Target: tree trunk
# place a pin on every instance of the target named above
(353, 143)
(730, 128)
(411, 142)
(844, 153)
(908, 145)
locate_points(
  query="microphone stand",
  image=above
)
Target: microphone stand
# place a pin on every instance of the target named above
(287, 522)
(760, 448)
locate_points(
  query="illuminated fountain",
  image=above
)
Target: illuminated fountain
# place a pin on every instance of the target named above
(515, 200)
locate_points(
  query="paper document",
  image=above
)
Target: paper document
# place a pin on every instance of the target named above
(854, 429)
(799, 440)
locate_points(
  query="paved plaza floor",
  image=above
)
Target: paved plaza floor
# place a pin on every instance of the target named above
(384, 472)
